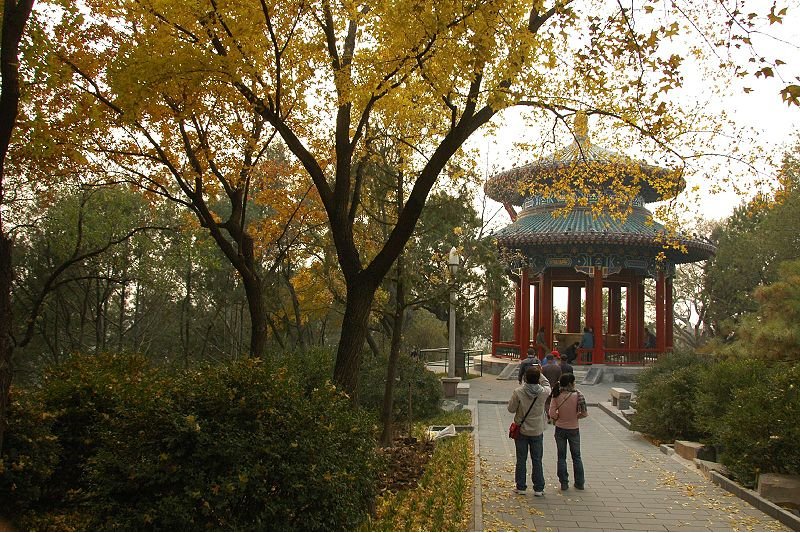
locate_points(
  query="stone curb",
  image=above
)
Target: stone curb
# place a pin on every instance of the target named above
(614, 413)
(477, 503)
(767, 507)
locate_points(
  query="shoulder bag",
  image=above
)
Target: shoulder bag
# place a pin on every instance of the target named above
(513, 429)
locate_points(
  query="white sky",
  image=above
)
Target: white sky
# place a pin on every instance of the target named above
(763, 115)
(767, 122)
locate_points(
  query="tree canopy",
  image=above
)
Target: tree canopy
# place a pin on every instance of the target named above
(184, 98)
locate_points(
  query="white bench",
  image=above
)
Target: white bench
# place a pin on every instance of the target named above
(620, 398)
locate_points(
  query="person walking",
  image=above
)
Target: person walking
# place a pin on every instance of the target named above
(551, 369)
(531, 360)
(566, 368)
(567, 406)
(527, 404)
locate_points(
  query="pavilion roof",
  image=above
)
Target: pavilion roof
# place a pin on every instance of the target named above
(582, 159)
(580, 226)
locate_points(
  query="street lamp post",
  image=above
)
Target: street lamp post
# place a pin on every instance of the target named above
(453, 262)
(450, 383)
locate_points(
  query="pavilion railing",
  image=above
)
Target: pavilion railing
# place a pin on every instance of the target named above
(611, 356)
(506, 349)
(620, 356)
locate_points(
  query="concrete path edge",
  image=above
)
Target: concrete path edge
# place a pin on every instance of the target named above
(765, 506)
(477, 504)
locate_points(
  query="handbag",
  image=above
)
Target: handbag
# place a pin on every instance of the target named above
(555, 415)
(514, 428)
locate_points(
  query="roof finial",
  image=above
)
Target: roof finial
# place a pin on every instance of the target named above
(581, 126)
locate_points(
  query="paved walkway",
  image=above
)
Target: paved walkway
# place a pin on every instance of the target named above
(630, 484)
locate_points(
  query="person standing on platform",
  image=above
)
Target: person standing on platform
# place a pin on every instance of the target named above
(541, 344)
(568, 405)
(649, 339)
(587, 341)
(570, 354)
(527, 404)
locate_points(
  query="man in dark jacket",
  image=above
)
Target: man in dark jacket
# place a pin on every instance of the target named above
(551, 369)
(532, 360)
(570, 354)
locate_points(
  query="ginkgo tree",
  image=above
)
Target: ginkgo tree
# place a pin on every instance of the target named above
(198, 89)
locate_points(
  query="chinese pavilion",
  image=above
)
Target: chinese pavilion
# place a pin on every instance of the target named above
(588, 251)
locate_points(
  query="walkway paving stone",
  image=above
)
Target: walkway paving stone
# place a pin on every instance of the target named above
(630, 484)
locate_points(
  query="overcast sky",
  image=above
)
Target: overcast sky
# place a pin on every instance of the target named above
(771, 122)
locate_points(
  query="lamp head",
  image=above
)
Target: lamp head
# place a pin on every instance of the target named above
(453, 261)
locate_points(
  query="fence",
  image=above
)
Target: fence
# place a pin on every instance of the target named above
(436, 359)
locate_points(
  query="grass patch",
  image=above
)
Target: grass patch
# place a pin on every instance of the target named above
(443, 499)
(459, 418)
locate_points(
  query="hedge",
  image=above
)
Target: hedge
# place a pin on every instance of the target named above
(240, 446)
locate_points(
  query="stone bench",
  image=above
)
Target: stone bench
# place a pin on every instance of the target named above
(462, 393)
(694, 450)
(620, 398)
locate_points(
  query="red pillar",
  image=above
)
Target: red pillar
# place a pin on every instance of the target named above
(640, 311)
(525, 315)
(589, 301)
(632, 316)
(660, 314)
(495, 324)
(517, 309)
(537, 316)
(670, 318)
(597, 315)
(614, 309)
(574, 309)
(546, 309)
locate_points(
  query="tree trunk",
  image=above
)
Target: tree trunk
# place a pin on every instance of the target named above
(186, 316)
(394, 356)
(354, 332)
(258, 316)
(6, 344)
(461, 359)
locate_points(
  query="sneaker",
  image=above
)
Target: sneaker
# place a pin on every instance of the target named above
(538, 493)
(579, 487)
(565, 486)
(520, 491)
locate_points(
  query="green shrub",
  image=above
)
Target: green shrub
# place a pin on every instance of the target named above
(716, 389)
(665, 398)
(759, 431)
(425, 387)
(236, 447)
(30, 455)
(82, 392)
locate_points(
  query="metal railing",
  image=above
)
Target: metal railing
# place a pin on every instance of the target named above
(611, 356)
(436, 359)
(620, 357)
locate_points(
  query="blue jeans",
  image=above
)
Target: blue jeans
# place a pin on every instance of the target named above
(573, 437)
(536, 447)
